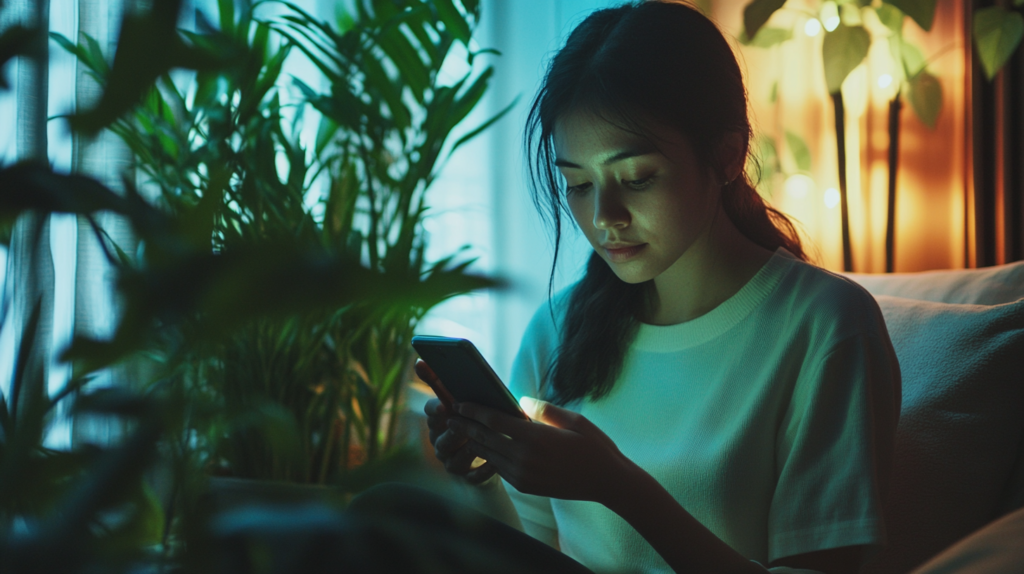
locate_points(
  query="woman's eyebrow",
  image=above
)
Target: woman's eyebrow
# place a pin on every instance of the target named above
(618, 156)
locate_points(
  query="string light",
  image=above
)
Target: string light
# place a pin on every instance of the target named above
(812, 28)
(799, 186)
(830, 16)
(884, 81)
(831, 197)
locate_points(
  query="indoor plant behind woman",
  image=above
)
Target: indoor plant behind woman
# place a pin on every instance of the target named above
(716, 403)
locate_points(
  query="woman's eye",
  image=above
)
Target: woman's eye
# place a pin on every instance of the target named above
(639, 183)
(574, 189)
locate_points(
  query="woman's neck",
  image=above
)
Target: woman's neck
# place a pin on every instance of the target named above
(711, 271)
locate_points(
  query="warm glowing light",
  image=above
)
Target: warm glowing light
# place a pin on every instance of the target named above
(812, 28)
(884, 81)
(830, 15)
(531, 407)
(831, 197)
(799, 186)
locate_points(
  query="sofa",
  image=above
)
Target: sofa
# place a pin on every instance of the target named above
(959, 457)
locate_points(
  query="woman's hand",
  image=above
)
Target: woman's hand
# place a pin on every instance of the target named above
(450, 445)
(567, 457)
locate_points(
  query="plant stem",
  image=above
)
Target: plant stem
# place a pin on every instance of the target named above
(837, 100)
(894, 153)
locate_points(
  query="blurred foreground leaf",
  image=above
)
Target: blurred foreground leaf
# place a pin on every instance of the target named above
(222, 291)
(148, 47)
(33, 186)
(14, 41)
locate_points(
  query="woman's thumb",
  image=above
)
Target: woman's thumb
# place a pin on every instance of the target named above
(548, 413)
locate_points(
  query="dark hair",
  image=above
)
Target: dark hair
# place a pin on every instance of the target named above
(655, 59)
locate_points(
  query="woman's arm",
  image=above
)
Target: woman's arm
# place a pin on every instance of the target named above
(572, 459)
(683, 542)
(663, 522)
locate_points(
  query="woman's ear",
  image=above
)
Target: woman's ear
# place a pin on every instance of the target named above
(732, 154)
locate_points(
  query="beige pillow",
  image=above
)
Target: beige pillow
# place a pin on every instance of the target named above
(986, 286)
(961, 423)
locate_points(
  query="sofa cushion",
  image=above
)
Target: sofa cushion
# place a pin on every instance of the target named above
(961, 425)
(986, 286)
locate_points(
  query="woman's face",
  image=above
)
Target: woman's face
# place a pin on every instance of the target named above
(640, 207)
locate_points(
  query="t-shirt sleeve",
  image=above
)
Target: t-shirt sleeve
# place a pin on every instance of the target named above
(531, 363)
(834, 449)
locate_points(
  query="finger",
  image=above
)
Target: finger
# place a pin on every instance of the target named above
(493, 419)
(424, 371)
(550, 414)
(479, 433)
(494, 457)
(437, 427)
(435, 408)
(449, 442)
(426, 374)
(462, 462)
(481, 473)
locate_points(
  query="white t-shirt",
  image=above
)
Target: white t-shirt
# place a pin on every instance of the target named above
(770, 419)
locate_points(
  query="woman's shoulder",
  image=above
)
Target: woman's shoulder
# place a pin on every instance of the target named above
(826, 299)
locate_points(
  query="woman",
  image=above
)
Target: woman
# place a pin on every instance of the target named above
(713, 403)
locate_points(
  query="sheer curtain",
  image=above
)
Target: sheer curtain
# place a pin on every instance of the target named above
(480, 202)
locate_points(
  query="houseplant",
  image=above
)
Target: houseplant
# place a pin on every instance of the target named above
(997, 32)
(306, 397)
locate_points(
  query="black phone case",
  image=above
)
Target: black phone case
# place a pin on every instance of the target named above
(465, 373)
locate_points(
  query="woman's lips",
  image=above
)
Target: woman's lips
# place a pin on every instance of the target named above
(620, 254)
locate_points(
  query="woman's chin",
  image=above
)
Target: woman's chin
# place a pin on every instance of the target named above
(632, 274)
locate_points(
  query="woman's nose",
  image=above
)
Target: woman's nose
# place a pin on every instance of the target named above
(609, 211)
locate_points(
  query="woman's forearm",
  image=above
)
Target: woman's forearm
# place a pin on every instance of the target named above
(683, 542)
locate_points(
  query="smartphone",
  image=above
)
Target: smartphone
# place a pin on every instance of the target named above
(464, 374)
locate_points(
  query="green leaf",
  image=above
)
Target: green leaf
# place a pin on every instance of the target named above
(767, 37)
(801, 153)
(843, 50)
(773, 95)
(454, 23)
(31, 186)
(226, 11)
(472, 6)
(325, 132)
(921, 11)
(890, 16)
(95, 60)
(925, 95)
(997, 33)
(912, 58)
(406, 58)
(757, 13)
(476, 131)
(379, 85)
